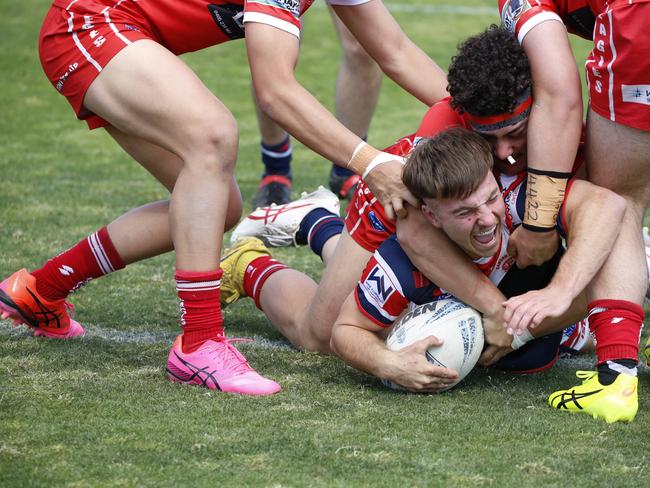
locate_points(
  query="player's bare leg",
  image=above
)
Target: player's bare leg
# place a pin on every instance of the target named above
(153, 106)
(618, 158)
(304, 312)
(153, 236)
(358, 82)
(277, 153)
(357, 90)
(202, 134)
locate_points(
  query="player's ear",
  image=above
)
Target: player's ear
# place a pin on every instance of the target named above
(430, 215)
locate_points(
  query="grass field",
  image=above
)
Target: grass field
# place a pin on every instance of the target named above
(99, 411)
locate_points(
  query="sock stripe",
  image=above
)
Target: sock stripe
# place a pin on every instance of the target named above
(262, 277)
(100, 254)
(197, 285)
(316, 224)
(276, 154)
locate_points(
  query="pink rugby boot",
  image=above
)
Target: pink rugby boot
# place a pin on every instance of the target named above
(217, 365)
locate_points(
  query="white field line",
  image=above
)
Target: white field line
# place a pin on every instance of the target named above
(433, 9)
(165, 338)
(259, 342)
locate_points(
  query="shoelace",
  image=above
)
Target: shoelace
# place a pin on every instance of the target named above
(230, 355)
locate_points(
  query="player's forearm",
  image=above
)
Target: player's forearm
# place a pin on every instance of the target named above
(441, 261)
(593, 216)
(555, 122)
(554, 130)
(416, 73)
(302, 116)
(361, 349)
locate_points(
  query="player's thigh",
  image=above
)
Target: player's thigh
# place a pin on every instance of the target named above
(148, 92)
(618, 158)
(339, 279)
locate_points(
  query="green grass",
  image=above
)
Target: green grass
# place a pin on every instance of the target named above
(98, 411)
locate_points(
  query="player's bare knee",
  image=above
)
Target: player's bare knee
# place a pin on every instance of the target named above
(213, 150)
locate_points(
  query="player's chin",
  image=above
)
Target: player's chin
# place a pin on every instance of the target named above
(512, 169)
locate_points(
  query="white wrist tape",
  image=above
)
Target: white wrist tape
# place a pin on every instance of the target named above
(381, 158)
(520, 340)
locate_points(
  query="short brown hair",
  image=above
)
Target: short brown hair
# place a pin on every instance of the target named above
(452, 164)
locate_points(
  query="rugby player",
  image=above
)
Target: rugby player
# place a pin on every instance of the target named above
(617, 153)
(116, 63)
(309, 319)
(478, 210)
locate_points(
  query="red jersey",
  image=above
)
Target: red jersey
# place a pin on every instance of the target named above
(617, 68)
(80, 37)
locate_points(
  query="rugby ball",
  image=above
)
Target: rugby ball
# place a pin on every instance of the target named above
(459, 326)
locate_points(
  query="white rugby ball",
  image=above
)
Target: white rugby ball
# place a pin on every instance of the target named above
(458, 325)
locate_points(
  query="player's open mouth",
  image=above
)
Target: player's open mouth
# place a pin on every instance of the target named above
(486, 237)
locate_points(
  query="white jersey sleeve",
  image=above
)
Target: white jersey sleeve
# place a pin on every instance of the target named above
(282, 14)
(347, 3)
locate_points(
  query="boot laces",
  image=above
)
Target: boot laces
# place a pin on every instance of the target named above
(230, 356)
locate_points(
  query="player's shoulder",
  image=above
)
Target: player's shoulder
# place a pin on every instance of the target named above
(390, 267)
(520, 16)
(381, 293)
(439, 117)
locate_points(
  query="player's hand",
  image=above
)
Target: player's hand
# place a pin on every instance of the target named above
(498, 341)
(385, 181)
(491, 354)
(411, 370)
(532, 248)
(527, 311)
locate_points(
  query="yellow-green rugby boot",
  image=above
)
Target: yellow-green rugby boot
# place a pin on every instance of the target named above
(612, 403)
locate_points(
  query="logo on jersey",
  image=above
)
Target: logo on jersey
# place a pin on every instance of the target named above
(230, 19)
(512, 12)
(292, 5)
(381, 289)
(636, 94)
(375, 222)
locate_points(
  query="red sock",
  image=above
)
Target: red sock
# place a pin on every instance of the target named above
(258, 271)
(91, 258)
(616, 325)
(200, 308)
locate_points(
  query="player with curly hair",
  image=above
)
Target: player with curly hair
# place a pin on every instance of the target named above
(485, 87)
(477, 207)
(617, 145)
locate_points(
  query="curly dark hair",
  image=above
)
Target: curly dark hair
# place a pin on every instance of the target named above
(489, 73)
